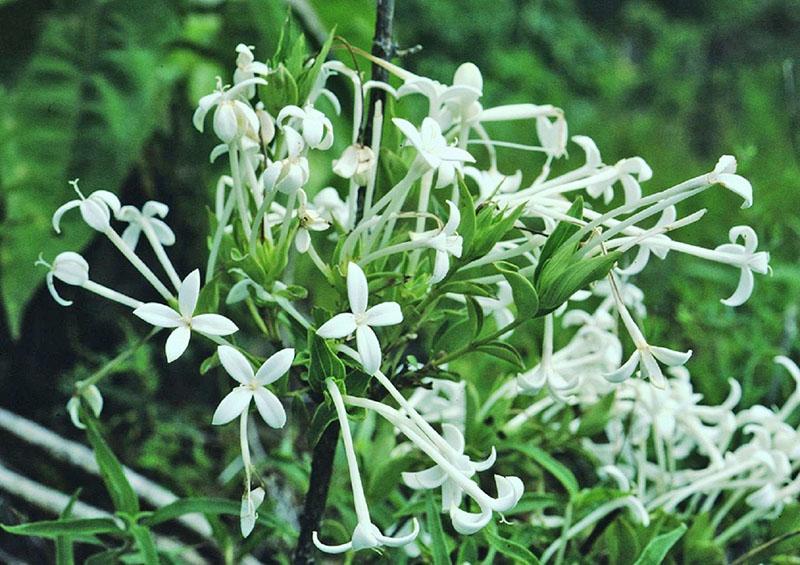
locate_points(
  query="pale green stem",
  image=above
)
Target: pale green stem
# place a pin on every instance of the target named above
(391, 250)
(238, 189)
(245, 446)
(377, 131)
(359, 499)
(138, 263)
(424, 200)
(106, 292)
(218, 234)
(287, 218)
(158, 248)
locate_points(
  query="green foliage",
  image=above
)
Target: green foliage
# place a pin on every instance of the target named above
(656, 550)
(91, 95)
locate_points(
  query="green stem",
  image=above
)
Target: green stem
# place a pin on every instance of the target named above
(106, 369)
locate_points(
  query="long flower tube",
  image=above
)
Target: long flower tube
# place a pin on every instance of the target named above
(366, 534)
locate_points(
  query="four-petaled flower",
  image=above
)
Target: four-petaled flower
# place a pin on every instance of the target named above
(290, 173)
(309, 220)
(444, 241)
(316, 127)
(148, 214)
(252, 386)
(233, 116)
(184, 320)
(361, 321)
(433, 148)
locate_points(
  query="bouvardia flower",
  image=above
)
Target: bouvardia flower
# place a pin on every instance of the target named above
(361, 321)
(252, 386)
(184, 320)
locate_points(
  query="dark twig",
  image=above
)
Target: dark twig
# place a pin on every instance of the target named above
(317, 495)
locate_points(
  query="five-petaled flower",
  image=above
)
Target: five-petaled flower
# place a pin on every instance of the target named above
(95, 209)
(233, 116)
(252, 386)
(361, 321)
(184, 320)
(310, 220)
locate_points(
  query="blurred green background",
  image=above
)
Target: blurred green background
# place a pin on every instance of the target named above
(105, 90)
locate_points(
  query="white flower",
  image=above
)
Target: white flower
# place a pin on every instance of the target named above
(148, 214)
(267, 124)
(252, 386)
(646, 357)
(361, 321)
(184, 321)
(91, 394)
(435, 476)
(68, 267)
(247, 515)
(433, 149)
(316, 127)
(94, 208)
(493, 181)
(247, 68)
(724, 173)
(330, 206)
(356, 162)
(289, 174)
(233, 117)
(444, 241)
(366, 535)
(623, 171)
(744, 256)
(309, 220)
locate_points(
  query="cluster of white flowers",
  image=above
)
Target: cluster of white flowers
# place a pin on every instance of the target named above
(267, 186)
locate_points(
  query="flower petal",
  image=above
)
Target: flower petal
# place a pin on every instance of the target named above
(158, 314)
(177, 342)
(384, 314)
(188, 293)
(428, 479)
(369, 349)
(232, 405)
(743, 290)
(270, 408)
(467, 523)
(213, 324)
(357, 289)
(275, 367)
(625, 371)
(339, 326)
(332, 549)
(236, 364)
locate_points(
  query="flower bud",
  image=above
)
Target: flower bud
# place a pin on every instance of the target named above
(226, 126)
(71, 268)
(467, 74)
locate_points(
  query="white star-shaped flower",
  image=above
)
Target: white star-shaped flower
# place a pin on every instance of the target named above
(433, 149)
(361, 320)
(444, 241)
(289, 174)
(148, 213)
(233, 115)
(252, 386)
(184, 321)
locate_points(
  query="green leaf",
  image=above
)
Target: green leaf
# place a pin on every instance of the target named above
(64, 550)
(324, 363)
(505, 352)
(562, 232)
(551, 464)
(788, 544)
(323, 416)
(145, 543)
(309, 77)
(622, 544)
(525, 297)
(120, 490)
(466, 207)
(208, 506)
(512, 549)
(441, 555)
(71, 527)
(90, 97)
(474, 314)
(658, 547)
(280, 92)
